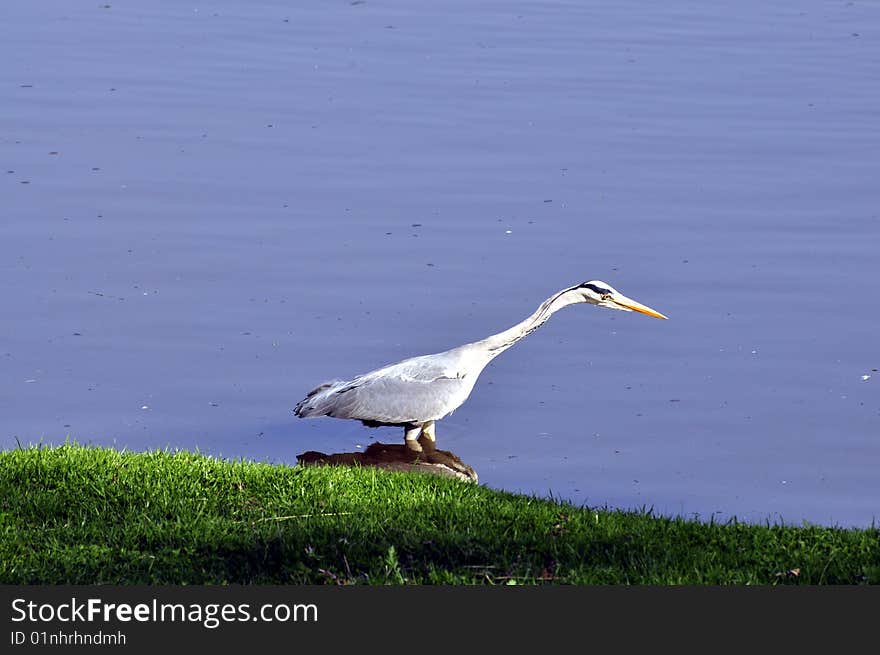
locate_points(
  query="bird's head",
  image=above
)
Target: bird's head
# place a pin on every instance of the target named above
(597, 292)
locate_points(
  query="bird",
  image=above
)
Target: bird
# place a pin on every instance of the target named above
(418, 391)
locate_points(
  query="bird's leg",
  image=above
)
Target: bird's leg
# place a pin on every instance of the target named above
(411, 432)
(428, 432)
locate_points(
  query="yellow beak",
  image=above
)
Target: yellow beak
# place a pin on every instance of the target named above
(629, 303)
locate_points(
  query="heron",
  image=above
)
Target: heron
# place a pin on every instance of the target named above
(416, 392)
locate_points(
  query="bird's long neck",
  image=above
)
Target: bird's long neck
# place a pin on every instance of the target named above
(498, 343)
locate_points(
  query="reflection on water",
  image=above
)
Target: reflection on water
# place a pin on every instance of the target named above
(397, 457)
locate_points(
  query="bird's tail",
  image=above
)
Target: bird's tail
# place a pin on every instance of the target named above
(315, 402)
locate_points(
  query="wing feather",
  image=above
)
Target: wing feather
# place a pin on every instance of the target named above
(398, 400)
(415, 390)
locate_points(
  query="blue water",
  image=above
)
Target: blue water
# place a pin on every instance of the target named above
(210, 207)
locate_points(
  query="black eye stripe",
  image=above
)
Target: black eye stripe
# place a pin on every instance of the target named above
(592, 287)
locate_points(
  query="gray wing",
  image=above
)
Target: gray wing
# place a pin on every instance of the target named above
(396, 400)
(415, 390)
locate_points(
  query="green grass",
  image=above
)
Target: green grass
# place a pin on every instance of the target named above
(81, 515)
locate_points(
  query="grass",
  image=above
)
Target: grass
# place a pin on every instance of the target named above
(83, 515)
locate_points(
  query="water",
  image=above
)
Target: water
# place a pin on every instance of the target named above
(210, 207)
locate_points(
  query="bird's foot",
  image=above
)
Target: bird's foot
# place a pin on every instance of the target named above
(428, 432)
(427, 444)
(413, 445)
(411, 434)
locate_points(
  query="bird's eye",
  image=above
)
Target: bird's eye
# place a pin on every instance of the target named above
(606, 296)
